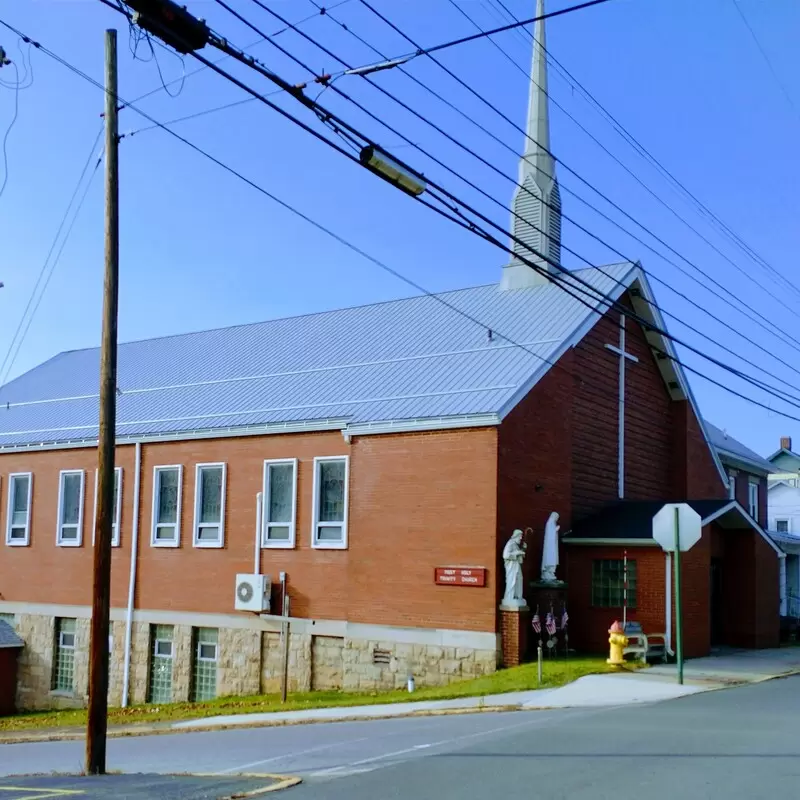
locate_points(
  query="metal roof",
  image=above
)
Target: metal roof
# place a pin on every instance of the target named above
(727, 445)
(412, 359)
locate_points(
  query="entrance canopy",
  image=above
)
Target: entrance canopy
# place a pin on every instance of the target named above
(630, 522)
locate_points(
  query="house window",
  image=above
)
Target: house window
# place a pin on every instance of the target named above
(782, 525)
(159, 689)
(167, 485)
(18, 531)
(280, 493)
(70, 508)
(115, 520)
(209, 505)
(204, 673)
(732, 486)
(608, 583)
(64, 661)
(330, 502)
(752, 498)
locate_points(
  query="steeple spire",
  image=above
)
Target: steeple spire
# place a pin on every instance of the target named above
(536, 217)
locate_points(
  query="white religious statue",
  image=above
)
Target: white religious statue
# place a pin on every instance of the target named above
(513, 555)
(550, 549)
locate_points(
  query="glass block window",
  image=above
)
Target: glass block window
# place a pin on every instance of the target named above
(159, 689)
(209, 509)
(167, 485)
(70, 508)
(330, 502)
(280, 484)
(204, 668)
(64, 656)
(115, 520)
(18, 531)
(608, 583)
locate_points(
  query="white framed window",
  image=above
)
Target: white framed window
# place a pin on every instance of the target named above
(70, 508)
(752, 500)
(279, 511)
(783, 525)
(330, 502)
(18, 525)
(209, 505)
(732, 485)
(167, 492)
(115, 520)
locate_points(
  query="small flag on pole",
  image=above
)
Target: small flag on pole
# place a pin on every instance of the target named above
(537, 622)
(550, 623)
(564, 618)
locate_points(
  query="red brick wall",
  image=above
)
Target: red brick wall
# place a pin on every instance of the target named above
(694, 473)
(417, 501)
(743, 480)
(648, 440)
(8, 680)
(534, 468)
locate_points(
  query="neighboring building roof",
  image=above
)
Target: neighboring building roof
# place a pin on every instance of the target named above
(733, 451)
(631, 521)
(8, 638)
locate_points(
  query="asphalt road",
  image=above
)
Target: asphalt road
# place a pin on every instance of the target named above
(738, 743)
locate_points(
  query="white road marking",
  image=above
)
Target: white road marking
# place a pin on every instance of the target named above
(339, 771)
(243, 767)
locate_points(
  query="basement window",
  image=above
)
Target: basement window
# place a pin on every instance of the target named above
(330, 503)
(204, 672)
(159, 689)
(70, 508)
(167, 485)
(608, 583)
(209, 505)
(18, 532)
(64, 660)
(280, 499)
(782, 525)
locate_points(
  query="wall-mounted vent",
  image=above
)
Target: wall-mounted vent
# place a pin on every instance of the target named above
(381, 656)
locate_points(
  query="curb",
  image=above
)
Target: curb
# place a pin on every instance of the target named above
(130, 733)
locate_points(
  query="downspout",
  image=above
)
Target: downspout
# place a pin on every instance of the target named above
(668, 604)
(257, 564)
(132, 583)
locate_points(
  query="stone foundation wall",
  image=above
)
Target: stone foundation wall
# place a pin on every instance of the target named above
(249, 662)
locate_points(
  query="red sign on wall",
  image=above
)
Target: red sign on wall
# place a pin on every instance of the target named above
(460, 576)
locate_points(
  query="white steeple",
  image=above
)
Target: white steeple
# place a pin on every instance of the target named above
(536, 209)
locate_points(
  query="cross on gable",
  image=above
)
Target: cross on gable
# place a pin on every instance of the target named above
(624, 357)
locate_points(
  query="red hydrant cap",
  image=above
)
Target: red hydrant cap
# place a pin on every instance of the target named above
(615, 628)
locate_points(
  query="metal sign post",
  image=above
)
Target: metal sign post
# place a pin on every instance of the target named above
(678, 626)
(677, 527)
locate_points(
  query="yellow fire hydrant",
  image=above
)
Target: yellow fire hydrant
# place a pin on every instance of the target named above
(617, 639)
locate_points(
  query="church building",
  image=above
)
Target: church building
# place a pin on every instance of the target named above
(362, 491)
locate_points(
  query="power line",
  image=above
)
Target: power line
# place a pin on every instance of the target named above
(637, 146)
(774, 330)
(766, 58)
(16, 90)
(344, 128)
(467, 224)
(477, 188)
(33, 302)
(655, 195)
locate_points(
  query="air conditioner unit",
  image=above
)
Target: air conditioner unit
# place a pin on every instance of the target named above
(252, 593)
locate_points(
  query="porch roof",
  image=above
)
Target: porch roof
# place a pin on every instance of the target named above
(7, 636)
(631, 522)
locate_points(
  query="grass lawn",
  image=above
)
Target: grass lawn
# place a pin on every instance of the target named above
(556, 672)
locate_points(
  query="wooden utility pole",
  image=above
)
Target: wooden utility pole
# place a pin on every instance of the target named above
(97, 723)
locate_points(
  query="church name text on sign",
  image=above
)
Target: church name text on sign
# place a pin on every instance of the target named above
(460, 576)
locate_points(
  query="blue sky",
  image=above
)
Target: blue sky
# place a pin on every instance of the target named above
(201, 249)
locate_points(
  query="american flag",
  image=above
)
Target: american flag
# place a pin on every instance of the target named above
(536, 622)
(564, 618)
(550, 623)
